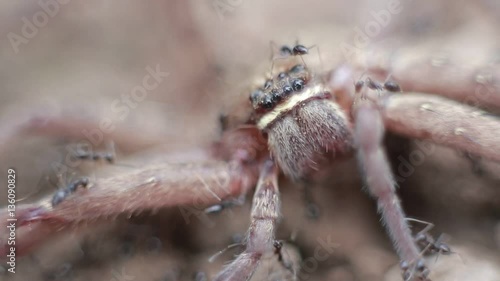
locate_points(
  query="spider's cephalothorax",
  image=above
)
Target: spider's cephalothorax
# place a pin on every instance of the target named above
(304, 126)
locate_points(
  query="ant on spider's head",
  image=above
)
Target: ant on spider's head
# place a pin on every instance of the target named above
(297, 50)
(286, 52)
(63, 193)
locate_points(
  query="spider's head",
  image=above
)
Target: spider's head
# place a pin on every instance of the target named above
(303, 126)
(281, 93)
(279, 88)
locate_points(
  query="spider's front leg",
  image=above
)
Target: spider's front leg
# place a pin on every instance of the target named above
(368, 134)
(260, 237)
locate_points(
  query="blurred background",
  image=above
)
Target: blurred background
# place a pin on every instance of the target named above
(79, 61)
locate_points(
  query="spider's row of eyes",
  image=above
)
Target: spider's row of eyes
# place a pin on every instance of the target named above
(281, 87)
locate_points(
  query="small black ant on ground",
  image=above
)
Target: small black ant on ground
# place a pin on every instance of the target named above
(428, 246)
(82, 154)
(432, 246)
(427, 243)
(422, 270)
(284, 258)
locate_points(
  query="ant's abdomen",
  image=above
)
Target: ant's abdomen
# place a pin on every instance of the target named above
(307, 136)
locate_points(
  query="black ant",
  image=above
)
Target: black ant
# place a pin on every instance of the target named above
(283, 257)
(388, 85)
(88, 154)
(63, 193)
(392, 86)
(297, 50)
(285, 52)
(278, 245)
(420, 267)
(427, 243)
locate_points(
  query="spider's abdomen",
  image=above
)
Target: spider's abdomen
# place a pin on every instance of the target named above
(308, 135)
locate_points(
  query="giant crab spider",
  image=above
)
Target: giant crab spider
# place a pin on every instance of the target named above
(295, 129)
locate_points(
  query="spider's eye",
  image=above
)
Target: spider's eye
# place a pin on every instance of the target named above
(298, 84)
(267, 102)
(255, 95)
(287, 89)
(276, 95)
(285, 51)
(297, 68)
(268, 84)
(300, 50)
(282, 75)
